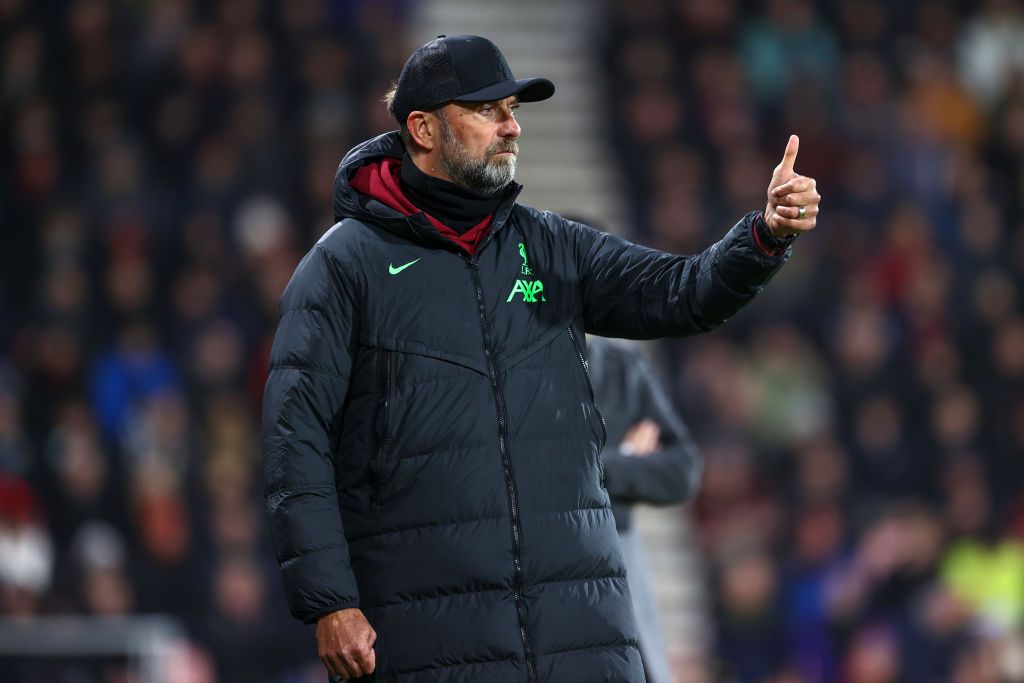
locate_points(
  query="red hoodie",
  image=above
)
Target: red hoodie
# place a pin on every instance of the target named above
(379, 180)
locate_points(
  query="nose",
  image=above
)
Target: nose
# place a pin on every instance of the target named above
(509, 127)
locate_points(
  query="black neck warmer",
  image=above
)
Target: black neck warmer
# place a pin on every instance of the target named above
(455, 206)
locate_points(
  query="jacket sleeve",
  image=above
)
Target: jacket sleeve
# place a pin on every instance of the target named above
(310, 362)
(636, 292)
(671, 474)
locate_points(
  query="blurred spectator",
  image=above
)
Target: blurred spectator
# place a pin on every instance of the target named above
(874, 657)
(84, 483)
(125, 377)
(789, 48)
(26, 550)
(101, 563)
(749, 638)
(992, 48)
(988, 576)
(15, 451)
(238, 623)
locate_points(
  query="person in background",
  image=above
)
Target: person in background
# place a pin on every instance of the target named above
(650, 459)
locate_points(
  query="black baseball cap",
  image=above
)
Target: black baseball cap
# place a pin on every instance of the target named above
(464, 69)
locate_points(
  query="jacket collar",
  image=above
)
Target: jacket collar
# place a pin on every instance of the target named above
(348, 203)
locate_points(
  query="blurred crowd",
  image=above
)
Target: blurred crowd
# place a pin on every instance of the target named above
(166, 163)
(863, 505)
(164, 166)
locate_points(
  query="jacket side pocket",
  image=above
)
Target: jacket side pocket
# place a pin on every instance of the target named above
(382, 466)
(602, 429)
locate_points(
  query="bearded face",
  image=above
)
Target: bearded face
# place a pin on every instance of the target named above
(484, 175)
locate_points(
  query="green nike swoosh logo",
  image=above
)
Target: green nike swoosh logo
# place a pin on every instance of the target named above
(399, 269)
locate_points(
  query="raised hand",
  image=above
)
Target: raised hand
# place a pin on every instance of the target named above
(344, 641)
(792, 199)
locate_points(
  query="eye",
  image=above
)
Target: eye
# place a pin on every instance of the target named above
(514, 109)
(487, 109)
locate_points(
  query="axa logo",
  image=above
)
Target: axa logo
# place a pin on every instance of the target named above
(530, 289)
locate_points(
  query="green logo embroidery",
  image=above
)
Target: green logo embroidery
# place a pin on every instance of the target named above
(526, 266)
(529, 290)
(399, 269)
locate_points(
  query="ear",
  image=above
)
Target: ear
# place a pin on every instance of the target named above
(424, 129)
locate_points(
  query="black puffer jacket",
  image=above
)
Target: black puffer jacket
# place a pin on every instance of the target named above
(431, 446)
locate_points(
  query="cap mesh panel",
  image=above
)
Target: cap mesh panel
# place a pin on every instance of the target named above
(427, 80)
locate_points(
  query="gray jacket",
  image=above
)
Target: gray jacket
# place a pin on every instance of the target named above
(627, 392)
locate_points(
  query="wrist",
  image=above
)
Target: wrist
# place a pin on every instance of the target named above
(769, 228)
(333, 611)
(768, 241)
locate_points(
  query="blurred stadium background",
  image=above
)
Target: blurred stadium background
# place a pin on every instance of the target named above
(165, 163)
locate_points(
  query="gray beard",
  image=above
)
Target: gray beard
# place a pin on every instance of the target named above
(483, 176)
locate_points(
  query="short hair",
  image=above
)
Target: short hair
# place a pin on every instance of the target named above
(389, 102)
(389, 98)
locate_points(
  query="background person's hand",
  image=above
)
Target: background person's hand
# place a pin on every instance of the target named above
(344, 641)
(641, 439)
(787, 192)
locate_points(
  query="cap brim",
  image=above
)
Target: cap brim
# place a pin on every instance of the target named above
(528, 90)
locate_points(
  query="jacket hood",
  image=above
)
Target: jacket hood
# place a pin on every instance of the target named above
(350, 203)
(347, 202)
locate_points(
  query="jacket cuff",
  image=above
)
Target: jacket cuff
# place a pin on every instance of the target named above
(318, 583)
(348, 604)
(769, 244)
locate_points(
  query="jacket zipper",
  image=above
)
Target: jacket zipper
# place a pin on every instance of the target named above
(385, 406)
(510, 483)
(593, 400)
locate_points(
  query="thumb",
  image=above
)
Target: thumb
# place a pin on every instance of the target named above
(789, 157)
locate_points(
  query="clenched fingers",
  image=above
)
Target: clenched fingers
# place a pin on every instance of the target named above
(351, 662)
(345, 642)
(793, 226)
(340, 666)
(795, 184)
(810, 211)
(365, 657)
(799, 199)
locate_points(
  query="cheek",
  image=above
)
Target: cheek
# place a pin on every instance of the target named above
(477, 140)
(479, 145)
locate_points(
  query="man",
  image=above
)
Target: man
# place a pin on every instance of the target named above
(650, 459)
(430, 441)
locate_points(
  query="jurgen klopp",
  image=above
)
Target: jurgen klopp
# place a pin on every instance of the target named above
(432, 452)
